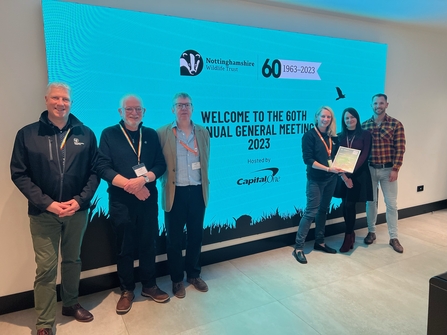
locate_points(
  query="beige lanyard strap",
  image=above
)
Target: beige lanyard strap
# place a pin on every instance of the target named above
(130, 142)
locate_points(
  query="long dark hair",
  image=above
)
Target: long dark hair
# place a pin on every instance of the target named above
(354, 113)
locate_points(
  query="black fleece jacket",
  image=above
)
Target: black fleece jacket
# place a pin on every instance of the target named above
(40, 173)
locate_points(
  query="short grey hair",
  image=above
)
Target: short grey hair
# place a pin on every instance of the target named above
(181, 95)
(55, 84)
(128, 96)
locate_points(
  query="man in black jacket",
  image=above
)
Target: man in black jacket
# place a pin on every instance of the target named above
(130, 161)
(52, 165)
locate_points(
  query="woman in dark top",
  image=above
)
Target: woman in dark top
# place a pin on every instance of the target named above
(354, 187)
(319, 146)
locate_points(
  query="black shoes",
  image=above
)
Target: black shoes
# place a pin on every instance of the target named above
(324, 248)
(370, 238)
(299, 256)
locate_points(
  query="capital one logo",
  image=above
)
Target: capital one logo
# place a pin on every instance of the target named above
(265, 176)
(191, 63)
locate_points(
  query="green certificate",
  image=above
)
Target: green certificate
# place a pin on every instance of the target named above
(346, 159)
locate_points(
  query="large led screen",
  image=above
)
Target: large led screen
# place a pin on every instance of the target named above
(255, 90)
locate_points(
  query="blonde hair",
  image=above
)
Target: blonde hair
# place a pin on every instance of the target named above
(332, 128)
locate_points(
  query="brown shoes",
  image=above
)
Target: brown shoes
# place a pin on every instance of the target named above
(198, 283)
(45, 331)
(78, 312)
(125, 303)
(155, 294)
(394, 242)
(178, 289)
(370, 238)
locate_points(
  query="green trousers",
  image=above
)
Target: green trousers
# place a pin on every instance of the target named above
(48, 231)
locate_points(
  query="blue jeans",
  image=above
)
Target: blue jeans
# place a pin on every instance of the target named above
(389, 190)
(319, 195)
(48, 231)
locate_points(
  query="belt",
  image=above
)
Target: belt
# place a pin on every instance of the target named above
(185, 186)
(381, 166)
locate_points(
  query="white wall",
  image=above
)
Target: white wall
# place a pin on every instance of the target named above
(416, 84)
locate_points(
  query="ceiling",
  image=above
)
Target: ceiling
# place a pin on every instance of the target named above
(426, 13)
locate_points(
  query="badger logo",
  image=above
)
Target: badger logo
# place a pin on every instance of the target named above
(191, 63)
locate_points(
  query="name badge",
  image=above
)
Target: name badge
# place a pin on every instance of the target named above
(196, 166)
(139, 169)
(329, 162)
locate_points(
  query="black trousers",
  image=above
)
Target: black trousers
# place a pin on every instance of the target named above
(135, 223)
(188, 209)
(349, 214)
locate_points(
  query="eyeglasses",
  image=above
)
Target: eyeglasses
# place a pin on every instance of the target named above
(181, 106)
(138, 110)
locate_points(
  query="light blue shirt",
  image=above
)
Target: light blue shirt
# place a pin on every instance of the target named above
(184, 173)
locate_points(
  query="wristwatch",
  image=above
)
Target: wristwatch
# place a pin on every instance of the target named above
(146, 178)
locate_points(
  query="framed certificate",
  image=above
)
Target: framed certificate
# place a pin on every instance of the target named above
(346, 159)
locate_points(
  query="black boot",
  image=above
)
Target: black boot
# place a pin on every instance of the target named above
(348, 243)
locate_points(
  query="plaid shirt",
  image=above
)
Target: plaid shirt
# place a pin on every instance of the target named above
(388, 141)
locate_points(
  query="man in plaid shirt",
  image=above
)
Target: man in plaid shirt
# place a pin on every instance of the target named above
(388, 147)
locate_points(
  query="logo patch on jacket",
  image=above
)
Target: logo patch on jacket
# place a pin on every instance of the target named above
(77, 142)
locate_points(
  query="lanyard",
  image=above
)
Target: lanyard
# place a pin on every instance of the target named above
(64, 141)
(131, 145)
(195, 151)
(328, 150)
(349, 143)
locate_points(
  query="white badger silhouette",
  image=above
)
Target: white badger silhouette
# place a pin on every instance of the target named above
(192, 64)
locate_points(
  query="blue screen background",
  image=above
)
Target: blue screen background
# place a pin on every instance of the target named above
(105, 53)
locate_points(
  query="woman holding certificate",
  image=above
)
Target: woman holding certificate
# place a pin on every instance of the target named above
(354, 187)
(319, 146)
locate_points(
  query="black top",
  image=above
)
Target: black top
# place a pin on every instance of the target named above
(314, 150)
(361, 178)
(40, 173)
(116, 156)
